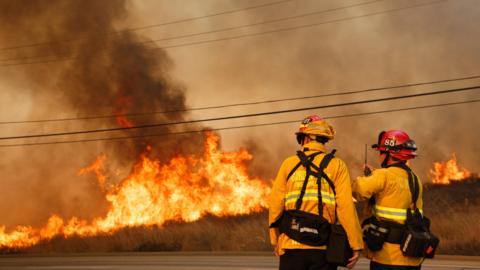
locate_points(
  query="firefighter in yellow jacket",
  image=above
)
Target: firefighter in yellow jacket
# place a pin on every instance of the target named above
(300, 192)
(394, 193)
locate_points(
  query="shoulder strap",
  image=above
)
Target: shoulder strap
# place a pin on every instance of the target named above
(413, 182)
(308, 164)
(304, 160)
(300, 163)
(321, 169)
(323, 164)
(294, 170)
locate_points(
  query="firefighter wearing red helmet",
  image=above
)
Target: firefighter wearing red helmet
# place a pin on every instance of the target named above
(396, 145)
(311, 192)
(395, 201)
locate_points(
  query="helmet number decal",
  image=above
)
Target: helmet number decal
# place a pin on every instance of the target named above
(389, 142)
(306, 121)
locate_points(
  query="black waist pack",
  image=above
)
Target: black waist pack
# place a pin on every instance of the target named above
(418, 241)
(419, 244)
(305, 228)
(374, 234)
(338, 249)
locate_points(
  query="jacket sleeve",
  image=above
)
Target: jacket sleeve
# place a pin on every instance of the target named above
(347, 214)
(276, 203)
(366, 186)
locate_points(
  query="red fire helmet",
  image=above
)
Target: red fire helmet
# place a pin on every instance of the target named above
(397, 143)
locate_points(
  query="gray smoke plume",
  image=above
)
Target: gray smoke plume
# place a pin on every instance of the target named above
(101, 72)
(117, 73)
(425, 43)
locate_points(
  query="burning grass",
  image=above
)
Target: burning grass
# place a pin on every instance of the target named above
(184, 189)
(448, 172)
(239, 233)
(209, 203)
(453, 209)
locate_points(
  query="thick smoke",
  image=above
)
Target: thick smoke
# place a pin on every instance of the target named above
(101, 72)
(117, 73)
(428, 43)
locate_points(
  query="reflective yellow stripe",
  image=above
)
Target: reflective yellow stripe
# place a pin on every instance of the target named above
(310, 195)
(311, 192)
(392, 213)
(299, 177)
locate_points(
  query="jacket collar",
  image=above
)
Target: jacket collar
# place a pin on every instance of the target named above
(314, 146)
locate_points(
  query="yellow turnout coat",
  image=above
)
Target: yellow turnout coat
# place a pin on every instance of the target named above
(285, 193)
(389, 187)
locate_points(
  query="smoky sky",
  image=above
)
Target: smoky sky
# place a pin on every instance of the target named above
(96, 70)
(426, 43)
(113, 72)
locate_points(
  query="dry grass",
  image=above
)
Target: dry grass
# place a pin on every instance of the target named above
(453, 210)
(241, 233)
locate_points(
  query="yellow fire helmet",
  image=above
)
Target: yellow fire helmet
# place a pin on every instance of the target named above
(315, 125)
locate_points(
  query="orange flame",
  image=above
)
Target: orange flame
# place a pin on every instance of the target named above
(122, 105)
(97, 168)
(446, 172)
(184, 189)
(123, 121)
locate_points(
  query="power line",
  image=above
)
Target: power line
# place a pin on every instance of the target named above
(133, 29)
(245, 35)
(243, 115)
(238, 127)
(26, 58)
(266, 22)
(226, 28)
(205, 16)
(299, 26)
(244, 103)
(39, 62)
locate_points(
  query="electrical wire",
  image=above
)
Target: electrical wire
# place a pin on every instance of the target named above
(237, 127)
(265, 22)
(300, 26)
(155, 25)
(342, 93)
(223, 29)
(477, 87)
(245, 35)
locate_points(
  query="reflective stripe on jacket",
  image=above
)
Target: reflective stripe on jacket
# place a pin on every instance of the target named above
(311, 195)
(389, 187)
(390, 213)
(284, 194)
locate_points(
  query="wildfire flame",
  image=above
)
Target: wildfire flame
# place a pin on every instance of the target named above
(122, 106)
(97, 167)
(184, 189)
(446, 172)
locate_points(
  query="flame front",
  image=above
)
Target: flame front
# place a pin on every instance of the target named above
(184, 189)
(446, 172)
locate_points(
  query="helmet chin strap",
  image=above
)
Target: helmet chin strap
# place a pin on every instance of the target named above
(385, 160)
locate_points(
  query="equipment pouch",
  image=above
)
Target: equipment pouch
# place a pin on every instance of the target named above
(432, 246)
(419, 244)
(418, 241)
(305, 228)
(338, 249)
(374, 234)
